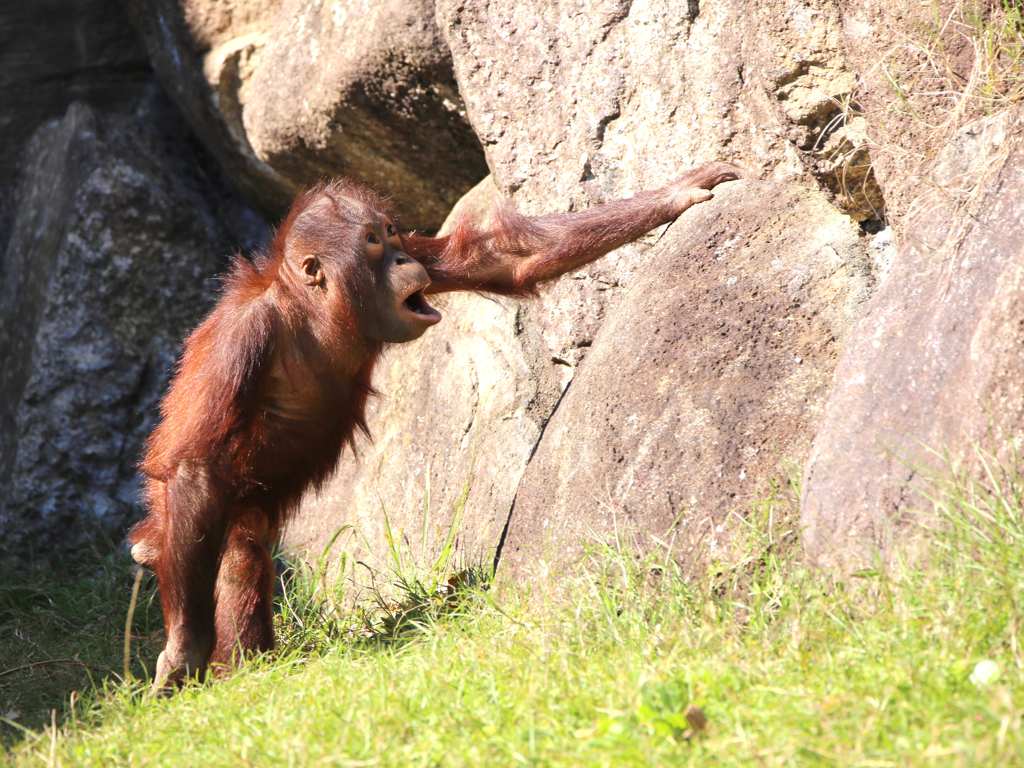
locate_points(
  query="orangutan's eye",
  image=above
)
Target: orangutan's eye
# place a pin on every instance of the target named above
(374, 247)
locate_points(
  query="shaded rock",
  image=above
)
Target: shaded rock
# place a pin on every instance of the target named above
(180, 37)
(367, 87)
(53, 52)
(935, 362)
(113, 245)
(286, 94)
(713, 368)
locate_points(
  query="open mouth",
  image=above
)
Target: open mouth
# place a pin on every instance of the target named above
(417, 304)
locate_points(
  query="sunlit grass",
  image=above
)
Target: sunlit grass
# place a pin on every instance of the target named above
(966, 61)
(787, 669)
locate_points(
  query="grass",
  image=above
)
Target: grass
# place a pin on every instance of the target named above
(960, 61)
(914, 667)
(967, 61)
(62, 632)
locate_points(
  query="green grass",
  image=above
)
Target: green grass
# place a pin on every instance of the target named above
(62, 631)
(787, 669)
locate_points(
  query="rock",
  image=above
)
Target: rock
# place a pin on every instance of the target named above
(460, 411)
(847, 170)
(910, 104)
(576, 104)
(285, 94)
(53, 52)
(477, 205)
(116, 236)
(618, 96)
(382, 105)
(204, 53)
(935, 362)
(713, 368)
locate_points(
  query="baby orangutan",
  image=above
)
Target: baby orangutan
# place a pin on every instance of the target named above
(273, 385)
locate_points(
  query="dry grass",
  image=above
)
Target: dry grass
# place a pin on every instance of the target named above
(966, 63)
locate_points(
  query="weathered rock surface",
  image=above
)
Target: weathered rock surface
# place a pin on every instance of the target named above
(618, 96)
(115, 238)
(579, 103)
(909, 105)
(179, 38)
(53, 52)
(461, 408)
(713, 368)
(935, 362)
(576, 105)
(367, 87)
(286, 94)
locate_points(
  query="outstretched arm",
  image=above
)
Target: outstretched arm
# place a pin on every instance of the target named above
(518, 252)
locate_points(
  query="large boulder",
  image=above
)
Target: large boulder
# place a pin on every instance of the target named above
(575, 106)
(934, 365)
(577, 102)
(116, 236)
(710, 372)
(53, 52)
(284, 94)
(460, 413)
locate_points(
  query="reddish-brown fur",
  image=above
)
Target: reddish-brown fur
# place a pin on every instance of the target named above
(273, 385)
